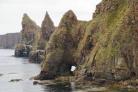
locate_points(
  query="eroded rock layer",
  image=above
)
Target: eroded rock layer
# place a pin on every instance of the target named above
(105, 47)
(114, 55)
(47, 28)
(30, 35)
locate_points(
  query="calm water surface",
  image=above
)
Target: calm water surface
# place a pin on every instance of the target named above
(19, 68)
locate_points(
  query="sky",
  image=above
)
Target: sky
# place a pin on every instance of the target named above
(11, 11)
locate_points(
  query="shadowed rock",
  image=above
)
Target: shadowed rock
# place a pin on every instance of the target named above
(37, 56)
(29, 30)
(47, 28)
(106, 50)
(58, 56)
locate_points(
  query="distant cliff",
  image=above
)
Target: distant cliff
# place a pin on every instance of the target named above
(8, 41)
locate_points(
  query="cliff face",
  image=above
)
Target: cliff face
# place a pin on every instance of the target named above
(30, 36)
(30, 31)
(62, 46)
(47, 28)
(34, 38)
(9, 41)
(105, 47)
(114, 32)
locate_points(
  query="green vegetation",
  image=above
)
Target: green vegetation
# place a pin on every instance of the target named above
(97, 47)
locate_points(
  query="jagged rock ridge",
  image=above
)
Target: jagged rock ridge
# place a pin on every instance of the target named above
(61, 46)
(34, 38)
(102, 48)
(107, 49)
(30, 31)
(30, 36)
(47, 28)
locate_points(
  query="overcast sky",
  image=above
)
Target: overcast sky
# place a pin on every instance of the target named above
(11, 11)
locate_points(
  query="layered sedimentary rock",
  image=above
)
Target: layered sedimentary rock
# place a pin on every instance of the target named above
(47, 28)
(114, 30)
(9, 41)
(61, 46)
(30, 31)
(105, 47)
(37, 56)
(30, 36)
(102, 48)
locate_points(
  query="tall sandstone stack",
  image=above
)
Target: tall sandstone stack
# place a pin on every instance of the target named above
(47, 28)
(105, 47)
(61, 47)
(30, 31)
(30, 35)
(34, 38)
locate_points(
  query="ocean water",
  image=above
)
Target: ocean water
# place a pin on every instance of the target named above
(19, 68)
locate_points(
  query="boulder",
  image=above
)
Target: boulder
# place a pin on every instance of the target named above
(37, 56)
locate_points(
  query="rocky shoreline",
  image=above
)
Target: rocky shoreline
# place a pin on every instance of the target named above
(100, 84)
(104, 50)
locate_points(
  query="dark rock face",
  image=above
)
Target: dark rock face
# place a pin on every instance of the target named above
(47, 28)
(105, 49)
(68, 20)
(37, 56)
(106, 6)
(60, 48)
(113, 56)
(8, 41)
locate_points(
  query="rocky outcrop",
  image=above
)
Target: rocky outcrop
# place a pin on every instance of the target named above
(22, 50)
(47, 28)
(30, 31)
(36, 39)
(30, 36)
(61, 46)
(8, 41)
(37, 56)
(113, 56)
(105, 48)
